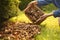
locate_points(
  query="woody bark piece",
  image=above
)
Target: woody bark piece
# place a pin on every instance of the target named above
(34, 13)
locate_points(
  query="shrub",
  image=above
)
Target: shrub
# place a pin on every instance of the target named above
(8, 9)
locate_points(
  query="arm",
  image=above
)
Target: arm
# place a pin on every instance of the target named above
(56, 13)
(43, 2)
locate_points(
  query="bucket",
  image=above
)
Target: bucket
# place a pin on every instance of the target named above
(34, 13)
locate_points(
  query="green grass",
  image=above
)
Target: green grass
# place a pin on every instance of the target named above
(50, 29)
(20, 18)
(49, 8)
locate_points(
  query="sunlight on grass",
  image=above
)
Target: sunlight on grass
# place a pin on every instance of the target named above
(21, 18)
(51, 22)
(50, 30)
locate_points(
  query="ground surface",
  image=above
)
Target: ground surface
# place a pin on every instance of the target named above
(50, 28)
(19, 31)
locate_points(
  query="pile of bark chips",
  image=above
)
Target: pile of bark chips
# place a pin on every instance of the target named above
(23, 31)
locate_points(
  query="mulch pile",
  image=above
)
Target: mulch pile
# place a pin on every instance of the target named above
(19, 31)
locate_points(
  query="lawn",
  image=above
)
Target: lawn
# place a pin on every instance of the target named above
(50, 29)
